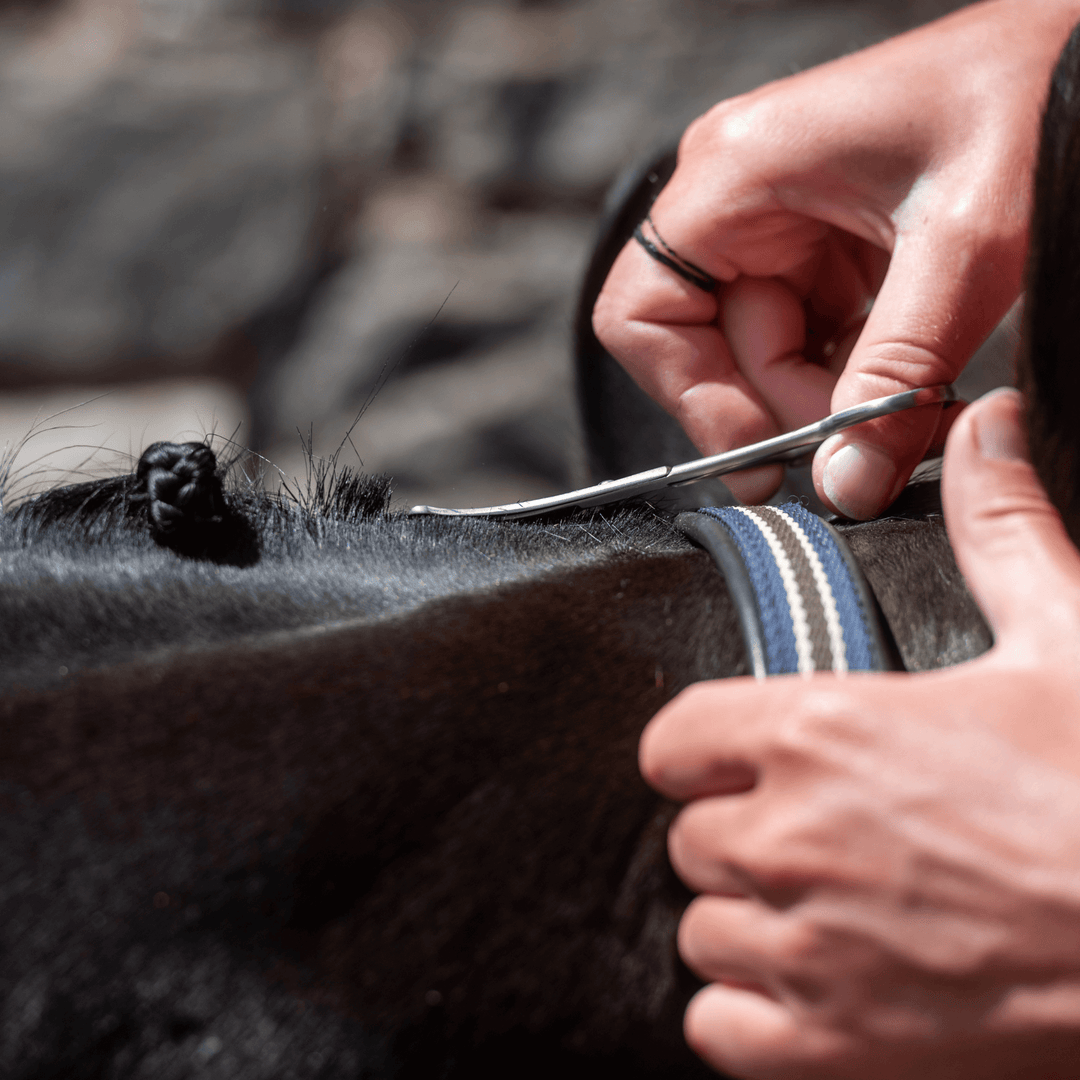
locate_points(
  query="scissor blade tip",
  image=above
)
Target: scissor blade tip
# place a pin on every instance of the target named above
(441, 510)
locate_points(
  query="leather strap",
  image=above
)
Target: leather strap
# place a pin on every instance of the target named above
(801, 599)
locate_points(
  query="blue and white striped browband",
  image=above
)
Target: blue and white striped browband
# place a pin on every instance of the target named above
(800, 596)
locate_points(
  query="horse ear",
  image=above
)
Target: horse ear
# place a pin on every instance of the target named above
(1049, 363)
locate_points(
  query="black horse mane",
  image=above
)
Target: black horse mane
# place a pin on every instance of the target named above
(331, 552)
(118, 511)
(180, 497)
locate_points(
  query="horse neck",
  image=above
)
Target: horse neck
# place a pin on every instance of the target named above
(442, 782)
(427, 745)
(467, 678)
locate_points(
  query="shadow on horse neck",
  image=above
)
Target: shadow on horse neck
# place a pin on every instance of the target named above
(322, 790)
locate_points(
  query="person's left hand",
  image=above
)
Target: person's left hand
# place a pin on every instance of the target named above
(889, 865)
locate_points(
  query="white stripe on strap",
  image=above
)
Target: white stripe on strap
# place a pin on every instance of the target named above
(828, 601)
(804, 649)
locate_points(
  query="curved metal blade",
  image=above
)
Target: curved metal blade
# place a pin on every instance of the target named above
(793, 445)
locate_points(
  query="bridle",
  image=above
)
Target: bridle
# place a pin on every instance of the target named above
(801, 599)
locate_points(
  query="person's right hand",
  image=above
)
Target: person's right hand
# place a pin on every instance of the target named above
(902, 172)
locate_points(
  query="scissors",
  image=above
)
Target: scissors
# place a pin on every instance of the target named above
(655, 482)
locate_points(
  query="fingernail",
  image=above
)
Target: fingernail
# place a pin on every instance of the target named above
(998, 432)
(859, 480)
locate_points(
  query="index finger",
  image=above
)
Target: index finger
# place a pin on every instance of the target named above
(712, 738)
(720, 738)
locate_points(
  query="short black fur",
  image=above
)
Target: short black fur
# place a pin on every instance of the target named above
(364, 801)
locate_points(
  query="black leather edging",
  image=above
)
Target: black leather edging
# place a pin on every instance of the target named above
(718, 542)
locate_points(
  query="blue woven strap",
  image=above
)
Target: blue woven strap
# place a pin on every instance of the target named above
(802, 601)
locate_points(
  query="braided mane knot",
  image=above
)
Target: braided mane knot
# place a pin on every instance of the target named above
(180, 484)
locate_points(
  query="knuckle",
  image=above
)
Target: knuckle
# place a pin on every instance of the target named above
(701, 704)
(699, 697)
(824, 719)
(1019, 512)
(765, 853)
(909, 360)
(614, 325)
(798, 947)
(972, 219)
(693, 933)
(605, 316)
(776, 848)
(738, 123)
(958, 216)
(694, 835)
(694, 134)
(703, 942)
(680, 840)
(769, 856)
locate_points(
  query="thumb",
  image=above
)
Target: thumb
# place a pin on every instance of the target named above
(943, 294)
(1009, 541)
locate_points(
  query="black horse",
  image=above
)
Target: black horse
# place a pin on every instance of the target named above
(312, 789)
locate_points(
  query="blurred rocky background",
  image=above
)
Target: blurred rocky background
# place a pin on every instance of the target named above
(267, 218)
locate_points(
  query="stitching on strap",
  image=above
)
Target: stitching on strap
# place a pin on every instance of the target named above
(812, 606)
(825, 592)
(792, 593)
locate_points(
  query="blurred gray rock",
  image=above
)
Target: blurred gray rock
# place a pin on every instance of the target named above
(282, 194)
(158, 179)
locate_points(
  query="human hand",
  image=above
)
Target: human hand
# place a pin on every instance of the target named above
(890, 864)
(901, 172)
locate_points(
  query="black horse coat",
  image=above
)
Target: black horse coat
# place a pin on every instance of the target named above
(359, 777)
(325, 791)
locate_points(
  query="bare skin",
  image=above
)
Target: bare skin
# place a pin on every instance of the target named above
(889, 866)
(902, 172)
